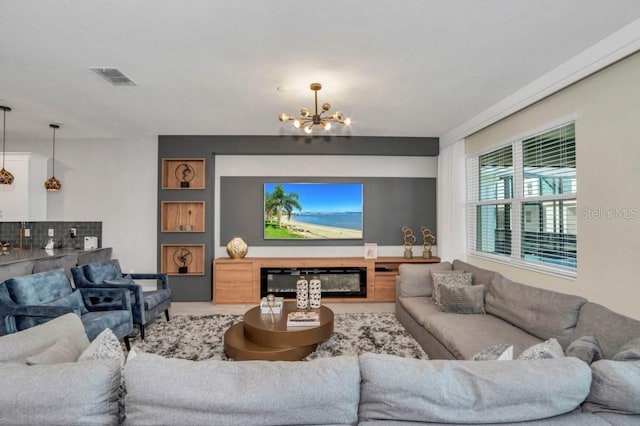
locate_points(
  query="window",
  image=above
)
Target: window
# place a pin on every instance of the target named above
(522, 200)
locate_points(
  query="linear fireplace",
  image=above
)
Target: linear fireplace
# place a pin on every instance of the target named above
(340, 282)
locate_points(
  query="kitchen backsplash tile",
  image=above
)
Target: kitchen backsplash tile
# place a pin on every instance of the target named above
(9, 232)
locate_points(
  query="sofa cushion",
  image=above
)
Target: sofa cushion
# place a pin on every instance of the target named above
(64, 350)
(466, 335)
(98, 272)
(615, 387)
(36, 289)
(415, 279)
(77, 393)
(543, 313)
(124, 280)
(585, 348)
(395, 388)
(611, 329)
(18, 346)
(176, 391)
(461, 299)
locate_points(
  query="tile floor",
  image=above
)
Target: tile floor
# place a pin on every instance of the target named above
(207, 308)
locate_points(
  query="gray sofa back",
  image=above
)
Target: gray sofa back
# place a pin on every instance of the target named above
(611, 329)
(542, 313)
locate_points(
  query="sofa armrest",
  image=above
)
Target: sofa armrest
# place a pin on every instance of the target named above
(162, 279)
(44, 311)
(106, 299)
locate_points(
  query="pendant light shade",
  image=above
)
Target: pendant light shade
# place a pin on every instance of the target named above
(52, 184)
(6, 178)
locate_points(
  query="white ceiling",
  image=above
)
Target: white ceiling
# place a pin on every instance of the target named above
(398, 68)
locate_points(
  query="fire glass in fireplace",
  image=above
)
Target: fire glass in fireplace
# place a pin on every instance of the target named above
(336, 281)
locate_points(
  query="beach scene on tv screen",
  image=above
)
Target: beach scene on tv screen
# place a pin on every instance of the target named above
(312, 211)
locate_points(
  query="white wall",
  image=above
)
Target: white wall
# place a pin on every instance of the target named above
(113, 181)
(334, 166)
(608, 172)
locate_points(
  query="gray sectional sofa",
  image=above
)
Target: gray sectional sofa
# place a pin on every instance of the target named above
(516, 314)
(368, 390)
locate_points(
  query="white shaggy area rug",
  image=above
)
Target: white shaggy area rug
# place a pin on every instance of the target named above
(201, 337)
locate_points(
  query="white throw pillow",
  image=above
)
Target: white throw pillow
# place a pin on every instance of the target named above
(64, 350)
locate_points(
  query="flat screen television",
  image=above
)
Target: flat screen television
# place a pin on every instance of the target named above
(312, 211)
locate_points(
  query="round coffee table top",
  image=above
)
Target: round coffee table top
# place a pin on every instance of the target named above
(267, 331)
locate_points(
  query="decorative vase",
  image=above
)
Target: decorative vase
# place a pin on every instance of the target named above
(315, 293)
(302, 293)
(237, 248)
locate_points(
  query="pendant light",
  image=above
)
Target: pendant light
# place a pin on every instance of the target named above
(52, 184)
(6, 178)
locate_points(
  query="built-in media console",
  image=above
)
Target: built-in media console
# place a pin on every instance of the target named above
(339, 282)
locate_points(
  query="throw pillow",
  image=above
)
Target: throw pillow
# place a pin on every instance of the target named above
(107, 346)
(586, 348)
(127, 279)
(545, 350)
(448, 278)
(501, 352)
(461, 299)
(63, 350)
(630, 351)
(415, 279)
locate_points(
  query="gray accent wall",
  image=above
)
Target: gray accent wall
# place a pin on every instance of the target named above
(412, 201)
(388, 205)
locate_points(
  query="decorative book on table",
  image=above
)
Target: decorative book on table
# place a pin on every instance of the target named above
(303, 319)
(275, 307)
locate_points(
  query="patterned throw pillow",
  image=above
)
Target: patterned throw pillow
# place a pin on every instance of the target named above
(545, 350)
(586, 348)
(501, 352)
(630, 351)
(461, 299)
(448, 278)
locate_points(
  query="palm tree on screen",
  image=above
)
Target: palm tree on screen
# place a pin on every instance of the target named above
(279, 203)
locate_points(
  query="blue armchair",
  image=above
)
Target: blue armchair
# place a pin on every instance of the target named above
(34, 299)
(145, 305)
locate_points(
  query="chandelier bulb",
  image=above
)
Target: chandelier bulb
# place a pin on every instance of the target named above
(283, 117)
(308, 129)
(326, 106)
(305, 112)
(296, 124)
(326, 125)
(347, 121)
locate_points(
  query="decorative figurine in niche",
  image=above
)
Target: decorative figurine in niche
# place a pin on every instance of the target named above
(428, 240)
(408, 240)
(185, 174)
(182, 258)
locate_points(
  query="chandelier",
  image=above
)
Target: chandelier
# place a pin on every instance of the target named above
(308, 120)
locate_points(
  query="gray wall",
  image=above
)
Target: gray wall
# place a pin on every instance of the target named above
(381, 223)
(388, 203)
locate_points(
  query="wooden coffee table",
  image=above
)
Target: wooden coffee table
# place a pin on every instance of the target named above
(260, 338)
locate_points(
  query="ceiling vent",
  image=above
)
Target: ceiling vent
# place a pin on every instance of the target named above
(114, 76)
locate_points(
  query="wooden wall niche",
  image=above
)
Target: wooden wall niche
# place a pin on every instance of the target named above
(182, 216)
(183, 173)
(182, 259)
